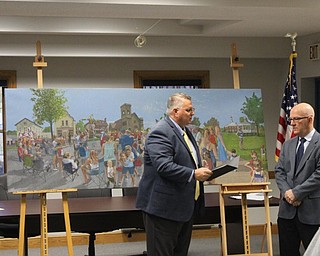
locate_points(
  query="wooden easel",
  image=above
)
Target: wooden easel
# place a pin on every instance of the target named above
(235, 65)
(244, 189)
(39, 63)
(43, 219)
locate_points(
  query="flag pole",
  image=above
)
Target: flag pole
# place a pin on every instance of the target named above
(293, 40)
(289, 99)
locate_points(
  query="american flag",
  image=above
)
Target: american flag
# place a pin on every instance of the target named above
(290, 99)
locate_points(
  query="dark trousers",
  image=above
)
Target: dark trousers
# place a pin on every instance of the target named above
(167, 237)
(291, 233)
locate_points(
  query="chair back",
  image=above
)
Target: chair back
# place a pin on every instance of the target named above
(67, 167)
(99, 169)
(27, 161)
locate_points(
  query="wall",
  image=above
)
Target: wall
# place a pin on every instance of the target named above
(267, 74)
(305, 67)
(81, 61)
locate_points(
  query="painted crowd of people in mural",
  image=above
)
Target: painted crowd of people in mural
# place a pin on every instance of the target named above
(118, 156)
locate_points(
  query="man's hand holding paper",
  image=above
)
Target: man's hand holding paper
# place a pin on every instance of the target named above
(225, 168)
(202, 174)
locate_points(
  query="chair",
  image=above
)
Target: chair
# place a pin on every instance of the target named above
(27, 163)
(98, 175)
(38, 168)
(69, 171)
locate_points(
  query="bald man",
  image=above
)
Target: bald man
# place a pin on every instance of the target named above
(298, 178)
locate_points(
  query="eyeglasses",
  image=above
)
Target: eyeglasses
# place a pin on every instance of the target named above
(189, 109)
(297, 118)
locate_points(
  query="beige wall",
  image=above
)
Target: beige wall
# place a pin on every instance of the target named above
(78, 65)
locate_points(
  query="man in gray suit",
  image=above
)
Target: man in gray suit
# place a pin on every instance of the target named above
(299, 183)
(167, 189)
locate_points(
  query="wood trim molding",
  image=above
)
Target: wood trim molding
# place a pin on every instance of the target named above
(57, 239)
(140, 75)
(10, 76)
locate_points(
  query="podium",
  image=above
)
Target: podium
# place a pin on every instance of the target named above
(227, 189)
(44, 224)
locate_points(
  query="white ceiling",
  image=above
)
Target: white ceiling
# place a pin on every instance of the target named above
(176, 28)
(209, 18)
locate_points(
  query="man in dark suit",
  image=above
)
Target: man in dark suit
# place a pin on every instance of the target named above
(299, 183)
(172, 172)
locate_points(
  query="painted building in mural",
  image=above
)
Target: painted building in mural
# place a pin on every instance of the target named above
(246, 127)
(129, 121)
(65, 127)
(96, 127)
(26, 127)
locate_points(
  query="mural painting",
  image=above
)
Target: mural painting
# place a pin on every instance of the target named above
(94, 138)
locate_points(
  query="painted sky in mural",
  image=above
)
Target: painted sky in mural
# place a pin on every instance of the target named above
(151, 104)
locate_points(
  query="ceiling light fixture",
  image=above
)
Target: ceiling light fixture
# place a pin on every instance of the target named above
(141, 40)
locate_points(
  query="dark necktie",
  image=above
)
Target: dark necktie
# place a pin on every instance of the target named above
(300, 152)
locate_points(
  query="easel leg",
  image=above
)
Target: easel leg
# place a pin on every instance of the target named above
(264, 237)
(224, 248)
(67, 222)
(245, 223)
(236, 82)
(44, 225)
(268, 224)
(40, 79)
(23, 207)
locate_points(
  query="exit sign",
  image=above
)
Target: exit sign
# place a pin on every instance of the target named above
(314, 52)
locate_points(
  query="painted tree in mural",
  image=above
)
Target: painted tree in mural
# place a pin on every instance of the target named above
(80, 125)
(213, 122)
(253, 109)
(49, 106)
(196, 121)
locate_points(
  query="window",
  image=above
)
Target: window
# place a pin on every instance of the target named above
(8, 79)
(171, 79)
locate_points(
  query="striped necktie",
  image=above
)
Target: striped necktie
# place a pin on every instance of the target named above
(186, 138)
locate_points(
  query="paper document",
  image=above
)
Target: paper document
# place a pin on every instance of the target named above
(252, 196)
(225, 168)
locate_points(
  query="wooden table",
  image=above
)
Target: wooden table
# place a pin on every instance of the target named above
(102, 214)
